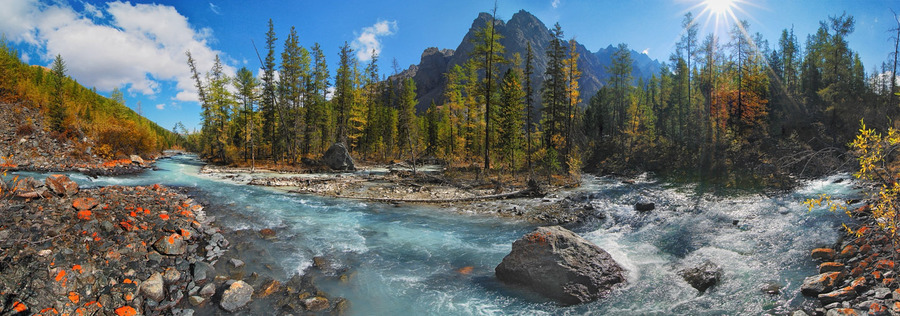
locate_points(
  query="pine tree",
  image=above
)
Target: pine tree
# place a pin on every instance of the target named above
(406, 120)
(529, 102)
(510, 119)
(57, 112)
(488, 53)
(246, 85)
(343, 92)
(269, 99)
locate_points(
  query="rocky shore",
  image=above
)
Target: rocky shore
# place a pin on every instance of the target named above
(858, 276)
(126, 251)
(398, 185)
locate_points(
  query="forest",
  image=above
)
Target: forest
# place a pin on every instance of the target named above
(73, 112)
(723, 107)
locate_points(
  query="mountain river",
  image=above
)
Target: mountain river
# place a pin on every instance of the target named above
(404, 260)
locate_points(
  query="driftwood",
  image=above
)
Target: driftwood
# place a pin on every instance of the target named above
(518, 194)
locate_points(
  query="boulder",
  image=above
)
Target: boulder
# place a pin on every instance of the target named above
(702, 276)
(61, 185)
(822, 254)
(137, 159)
(561, 265)
(171, 245)
(85, 203)
(644, 206)
(822, 283)
(152, 288)
(338, 158)
(236, 296)
(839, 295)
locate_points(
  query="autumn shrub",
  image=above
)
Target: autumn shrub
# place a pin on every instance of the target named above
(24, 129)
(123, 138)
(877, 157)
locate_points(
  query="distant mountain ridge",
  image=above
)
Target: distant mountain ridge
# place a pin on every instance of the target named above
(523, 28)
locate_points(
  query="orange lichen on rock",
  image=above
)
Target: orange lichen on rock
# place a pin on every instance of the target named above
(465, 270)
(884, 264)
(164, 217)
(185, 233)
(74, 297)
(126, 311)
(77, 268)
(84, 215)
(19, 307)
(60, 275)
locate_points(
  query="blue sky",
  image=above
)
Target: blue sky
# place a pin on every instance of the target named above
(139, 46)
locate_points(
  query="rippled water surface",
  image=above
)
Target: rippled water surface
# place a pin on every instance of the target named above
(404, 260)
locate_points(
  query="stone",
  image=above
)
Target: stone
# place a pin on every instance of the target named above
(338, 158)
(236, 296)
(208, 290)
(201, 271)
(237, 263)
(171, 275)
(831, 267)
(61, 185)
(882, 292)
(316, 304)
(843, 312)
(561, 265)
(267, 233)
(823, 254)
(85, 203)
(269, 288)
(152, 288)
(196, 300)
(799, 313)
(644, 207)
(171, 245)
(840, 295)
(137, 159)
(29, 188)
(702, 276)
(822, 283)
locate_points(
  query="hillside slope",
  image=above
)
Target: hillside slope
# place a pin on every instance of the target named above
(92, 127)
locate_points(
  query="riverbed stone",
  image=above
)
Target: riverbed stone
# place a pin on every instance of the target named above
(561, 265)
(823, 254)
(839, 295)
(61, 185)
(844, 312)
(315, 304)
(236, 296)
(822, 283)
(208, 290)
(644, 206)
(171, 245)
(702, 276)
(337, 157)
(152, 288)
(831, 267)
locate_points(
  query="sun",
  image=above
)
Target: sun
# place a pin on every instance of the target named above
(719, 7)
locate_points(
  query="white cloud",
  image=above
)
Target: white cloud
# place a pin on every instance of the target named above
(25, 58)
(368, 41)
(555, 4)
(92, 11)
(161, 106)
(646, 51)
(141, 45)
(214, 8)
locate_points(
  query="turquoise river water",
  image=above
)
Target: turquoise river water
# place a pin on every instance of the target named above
(403, 260)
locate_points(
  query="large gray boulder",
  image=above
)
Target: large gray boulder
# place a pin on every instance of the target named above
(236, 296)
(561, 265)
(337, 157)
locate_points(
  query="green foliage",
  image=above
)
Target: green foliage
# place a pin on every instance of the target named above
(74, 111)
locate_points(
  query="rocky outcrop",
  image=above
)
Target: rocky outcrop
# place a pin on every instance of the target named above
(644, 206)
(561, 265)
(821, 283)
(337, 157)
(702, 276)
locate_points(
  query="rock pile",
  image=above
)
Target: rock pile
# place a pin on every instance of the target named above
(859, 276)
(125, 251)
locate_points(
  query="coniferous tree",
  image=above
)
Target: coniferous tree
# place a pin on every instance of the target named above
(269, 90)
(57, 113)
(488, 55)
(343, 93)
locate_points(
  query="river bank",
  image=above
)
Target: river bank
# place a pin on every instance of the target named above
(398, 185)
(127, 250)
